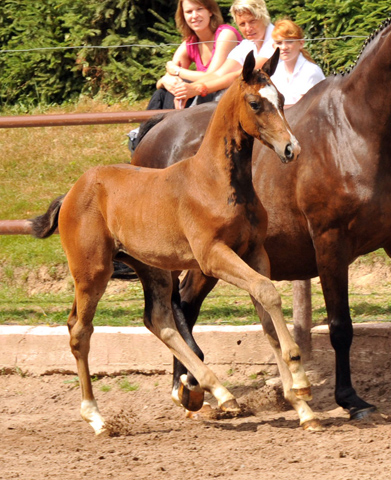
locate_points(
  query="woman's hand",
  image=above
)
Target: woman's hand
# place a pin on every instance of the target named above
(183, 91)
(169, 82)
(172, 68)
(179, 104)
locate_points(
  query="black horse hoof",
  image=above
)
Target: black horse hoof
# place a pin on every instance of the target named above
(361, 413)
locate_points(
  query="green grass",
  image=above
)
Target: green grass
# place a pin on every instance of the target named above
(105, 388)
(30, 253)
(226, 305)
(126, 386)
(38, 164)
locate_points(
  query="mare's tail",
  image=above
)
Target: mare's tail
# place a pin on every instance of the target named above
(45, 225)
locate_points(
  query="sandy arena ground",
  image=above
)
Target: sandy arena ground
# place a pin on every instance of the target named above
(43, 436)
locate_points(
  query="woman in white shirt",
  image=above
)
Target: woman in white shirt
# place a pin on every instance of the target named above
(253, 21)
(297, 72)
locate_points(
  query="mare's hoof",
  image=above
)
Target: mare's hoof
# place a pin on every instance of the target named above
(361, 413)
(313, 425)
(303, 393)
(230, 406)
(191, 399)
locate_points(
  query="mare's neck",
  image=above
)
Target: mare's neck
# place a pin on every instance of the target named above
(368, 81)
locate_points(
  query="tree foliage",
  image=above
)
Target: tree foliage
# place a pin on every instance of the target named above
(142, 37)
(34, 76)
(324, 21)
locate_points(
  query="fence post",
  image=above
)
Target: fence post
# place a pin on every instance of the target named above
(302, 316)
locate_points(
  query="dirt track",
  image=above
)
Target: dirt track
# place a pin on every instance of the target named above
(43, 436)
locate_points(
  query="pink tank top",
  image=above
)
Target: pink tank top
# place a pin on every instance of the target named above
(194, 53)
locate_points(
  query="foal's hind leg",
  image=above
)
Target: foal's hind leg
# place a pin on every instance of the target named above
(87, 296)
(194, 396)
(89, 253)
(193, 290)
(158, 318)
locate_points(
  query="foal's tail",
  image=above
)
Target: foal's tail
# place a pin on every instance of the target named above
(46, 224)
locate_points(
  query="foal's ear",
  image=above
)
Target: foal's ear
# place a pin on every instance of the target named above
(248, 66)
(270, 66)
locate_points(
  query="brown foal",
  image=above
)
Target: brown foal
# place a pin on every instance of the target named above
(199, 213)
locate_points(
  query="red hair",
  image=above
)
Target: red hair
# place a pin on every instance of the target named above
(290, 30)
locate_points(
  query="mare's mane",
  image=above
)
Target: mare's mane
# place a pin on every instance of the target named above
(369, 41)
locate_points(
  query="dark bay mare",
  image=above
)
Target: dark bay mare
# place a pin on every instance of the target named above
(202, 213)
(326, 209)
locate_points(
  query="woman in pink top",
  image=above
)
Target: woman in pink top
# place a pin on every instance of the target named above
(194, 53)
(207, 43)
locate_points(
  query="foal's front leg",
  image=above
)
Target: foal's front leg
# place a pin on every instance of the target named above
(224, 263)
(308, 419)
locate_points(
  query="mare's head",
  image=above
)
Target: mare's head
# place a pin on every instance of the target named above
(261, 112)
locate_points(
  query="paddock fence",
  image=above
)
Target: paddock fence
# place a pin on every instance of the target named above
(302, 307)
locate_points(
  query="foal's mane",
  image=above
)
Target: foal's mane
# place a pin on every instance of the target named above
(368, 41)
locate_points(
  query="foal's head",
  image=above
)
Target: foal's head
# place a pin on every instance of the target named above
(262, 109)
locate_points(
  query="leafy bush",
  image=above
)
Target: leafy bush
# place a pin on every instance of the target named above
(324, 20)
(54, 76)
(144, 36)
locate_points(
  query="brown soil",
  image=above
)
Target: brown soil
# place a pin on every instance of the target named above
(43, 436)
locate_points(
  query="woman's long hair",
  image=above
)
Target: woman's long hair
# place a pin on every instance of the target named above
(285, 28)
(215, 20)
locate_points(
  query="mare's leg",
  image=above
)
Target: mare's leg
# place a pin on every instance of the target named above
(193, 290)
(222, 262)
(159, 319)
(333, 273)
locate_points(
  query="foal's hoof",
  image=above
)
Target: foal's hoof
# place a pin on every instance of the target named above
(303, 393)
(230, 406)
(313, 425)
(191, 399)
(361, 413)
(205, 413)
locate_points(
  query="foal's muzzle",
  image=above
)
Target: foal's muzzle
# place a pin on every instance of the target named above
(292, 151)
(289, 153)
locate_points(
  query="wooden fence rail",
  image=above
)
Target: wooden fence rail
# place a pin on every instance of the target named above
(302, 316)
(69, 119)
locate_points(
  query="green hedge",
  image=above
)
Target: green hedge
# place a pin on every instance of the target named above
(61, 75)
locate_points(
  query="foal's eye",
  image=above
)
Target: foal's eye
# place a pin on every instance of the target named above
(255, 105)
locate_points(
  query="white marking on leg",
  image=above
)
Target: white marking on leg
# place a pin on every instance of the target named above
(222, 395)
(90, 413)
(175, 397)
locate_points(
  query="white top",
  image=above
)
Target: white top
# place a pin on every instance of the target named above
(305, 75)
(240, 52)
